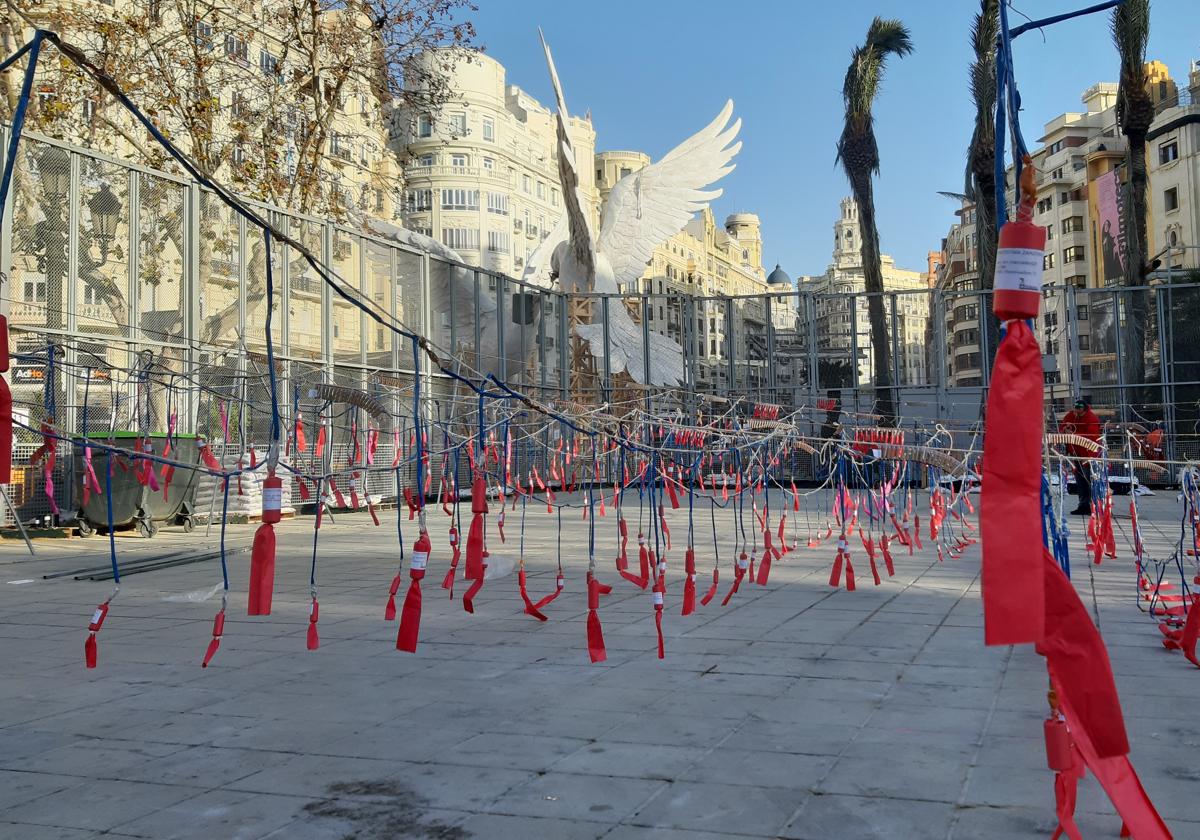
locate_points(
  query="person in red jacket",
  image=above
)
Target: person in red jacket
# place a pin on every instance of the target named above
(1082, 421)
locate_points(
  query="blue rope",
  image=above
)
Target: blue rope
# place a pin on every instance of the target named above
(312, 573)
(34, 49)
(270, 343)
(419, 493)
(224, 519)
(112, 535)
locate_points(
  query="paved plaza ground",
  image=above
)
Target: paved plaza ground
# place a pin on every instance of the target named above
(797, 711)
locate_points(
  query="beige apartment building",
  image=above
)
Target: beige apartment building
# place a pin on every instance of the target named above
(482, 175)
(1173, 159)
(843, 331)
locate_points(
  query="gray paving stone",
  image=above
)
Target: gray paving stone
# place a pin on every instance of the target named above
(759, 811)
(99, 804)
(599, 799)
(639, 761)
(868, 818)
(734, 766)
(218, 813)
(797, 711)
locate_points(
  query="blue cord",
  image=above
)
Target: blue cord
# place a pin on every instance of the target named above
(112, 536)
(224, 519)
(34, 49)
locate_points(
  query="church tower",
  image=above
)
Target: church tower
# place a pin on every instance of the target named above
(847, 237)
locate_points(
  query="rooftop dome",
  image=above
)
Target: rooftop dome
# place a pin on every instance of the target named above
(779, 276)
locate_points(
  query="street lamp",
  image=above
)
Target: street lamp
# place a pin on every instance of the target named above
(55, 179)
(106, 212)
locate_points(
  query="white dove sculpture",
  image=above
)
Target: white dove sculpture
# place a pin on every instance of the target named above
(644, 209)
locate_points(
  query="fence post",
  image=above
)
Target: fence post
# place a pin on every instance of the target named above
(190, 297)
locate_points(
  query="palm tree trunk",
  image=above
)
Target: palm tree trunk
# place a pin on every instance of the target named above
(986, 233)
(881, 348)
(1137, 248)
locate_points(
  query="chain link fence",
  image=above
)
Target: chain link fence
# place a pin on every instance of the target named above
(112, 269)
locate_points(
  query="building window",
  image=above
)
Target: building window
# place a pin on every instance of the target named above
(1085, 341)
(497, 203)
(1171, 199)
(420, 200)
(458, 160)
(488, 164)
(268, 63)
(458, 124)
(1047, 262)
(458, 199)
(1045, 205)
(1050, 319)
(1058, 174)
(553, 197)
(463, 239)
(204, 35)
(426, 160)
(625, 170)
(89, 110)
(1085, 371)
(541, 190)
(1073, 254)
(526, 184)
(489, 129)
(35, 290)
(237, 49)
(1168, 152)
(1049, 232)
(1081, 312)
(497, 242)
(424, 126)
(1073, 224)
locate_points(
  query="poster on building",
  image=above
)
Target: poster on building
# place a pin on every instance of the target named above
(1110, 207)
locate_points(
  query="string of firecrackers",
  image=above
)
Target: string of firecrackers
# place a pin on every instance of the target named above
(1027, 597)
(1179, 620)
(1108, 744)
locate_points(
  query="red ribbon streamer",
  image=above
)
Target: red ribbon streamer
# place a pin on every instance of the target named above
(410, 613)
(262, 571)
(313, 641)
(1014, 600)
(217, 631)
(530, 607)
(689, 583)
(595, 635)
(712, 589)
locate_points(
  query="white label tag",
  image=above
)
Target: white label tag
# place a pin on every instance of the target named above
(658, 598)
(561, 583)
(842, 545)
(419, 559)
(96, 615)
(312, 609)
(272, 498)
(1019, 270)
(743, 563)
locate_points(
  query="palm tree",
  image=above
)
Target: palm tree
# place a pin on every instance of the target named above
(859, 155)
(981, 155)
(1135, 111)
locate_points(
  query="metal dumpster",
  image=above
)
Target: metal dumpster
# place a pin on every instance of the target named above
(134, 504)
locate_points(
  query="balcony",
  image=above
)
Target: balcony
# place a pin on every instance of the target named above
(415, 173)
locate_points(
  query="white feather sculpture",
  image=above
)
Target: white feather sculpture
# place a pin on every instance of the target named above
(643, 210)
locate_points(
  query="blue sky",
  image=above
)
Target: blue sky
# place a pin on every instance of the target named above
(655, 71)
